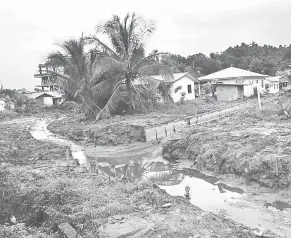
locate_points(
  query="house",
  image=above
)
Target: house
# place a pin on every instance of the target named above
(285, 83)
(285, 80)
(47, 78)
(180, 84)
(234, 83)
(47, 98)
(272, 84)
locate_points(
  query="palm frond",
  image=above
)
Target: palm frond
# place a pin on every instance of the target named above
(152, 58)
(108, 50)
(57, 59)
(156, 69)
(117, 95)
(107, 63)
(104, 88)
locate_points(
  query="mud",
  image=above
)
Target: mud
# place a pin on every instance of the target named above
(257, 147)
(74, 195)
(127, 129)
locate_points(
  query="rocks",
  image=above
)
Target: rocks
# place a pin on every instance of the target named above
(116, 219)
(130, 225)
(166, 205)
(67, 231)
(261, 232)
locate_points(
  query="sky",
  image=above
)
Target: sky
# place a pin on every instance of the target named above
(31, 29)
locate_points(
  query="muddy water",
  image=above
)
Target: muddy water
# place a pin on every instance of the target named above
(230, 204)
(40, 132)
(205, 192)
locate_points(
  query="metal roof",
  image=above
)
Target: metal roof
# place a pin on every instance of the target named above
(52, 94)
(230, 72)
(176, 77)
(274, 79)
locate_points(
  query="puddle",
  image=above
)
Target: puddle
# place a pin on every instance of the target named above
(205, 192)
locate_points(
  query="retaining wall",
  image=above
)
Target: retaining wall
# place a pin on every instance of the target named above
(164, 130)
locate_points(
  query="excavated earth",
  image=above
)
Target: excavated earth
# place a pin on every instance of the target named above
(253, 143)
(127, 129)
(46, 199)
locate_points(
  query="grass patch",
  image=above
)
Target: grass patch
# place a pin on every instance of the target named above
(78, 200)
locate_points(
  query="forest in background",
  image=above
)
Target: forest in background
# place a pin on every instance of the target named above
(265, 59)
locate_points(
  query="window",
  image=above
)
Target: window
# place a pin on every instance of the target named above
(284, 85)
(257, 81)
(189, 88)
(274, 86)
(262, 83)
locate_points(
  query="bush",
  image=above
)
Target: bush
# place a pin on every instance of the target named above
(68, 106)
(20, 100)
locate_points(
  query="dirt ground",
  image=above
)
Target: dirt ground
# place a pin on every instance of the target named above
(255, 144)
(127, 129)
(90, 203)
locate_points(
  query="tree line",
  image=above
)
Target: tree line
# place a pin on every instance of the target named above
(265, 59)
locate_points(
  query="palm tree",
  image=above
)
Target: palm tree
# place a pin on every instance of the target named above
(103, 77)
(124, 58)
(74, 70)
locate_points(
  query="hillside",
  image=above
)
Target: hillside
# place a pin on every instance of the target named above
(265, 59)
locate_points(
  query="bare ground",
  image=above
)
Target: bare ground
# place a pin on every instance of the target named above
(88, 202)
(128, 129)
(253, 143)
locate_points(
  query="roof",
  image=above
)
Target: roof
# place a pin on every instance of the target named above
(176, 77)
(52, 94)
(274, 79)
(23, 90)
(230, 72)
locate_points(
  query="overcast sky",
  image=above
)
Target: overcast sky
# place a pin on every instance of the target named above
(30, 28)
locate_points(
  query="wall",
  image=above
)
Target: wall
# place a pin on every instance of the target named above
(240, 91)
(248, 82)
(248, 90)
(183, 82)
(274, 87)
(227, 92)
(287, 87)
(48, 101)
(154, 133)
(157, 132)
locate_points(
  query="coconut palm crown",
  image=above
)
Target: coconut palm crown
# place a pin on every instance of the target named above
(105, 76)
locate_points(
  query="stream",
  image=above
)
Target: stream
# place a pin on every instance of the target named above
(205, 192)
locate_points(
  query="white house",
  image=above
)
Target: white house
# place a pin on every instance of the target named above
(180, 84)
(48, 98)
(272, 84)
(234, 83)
